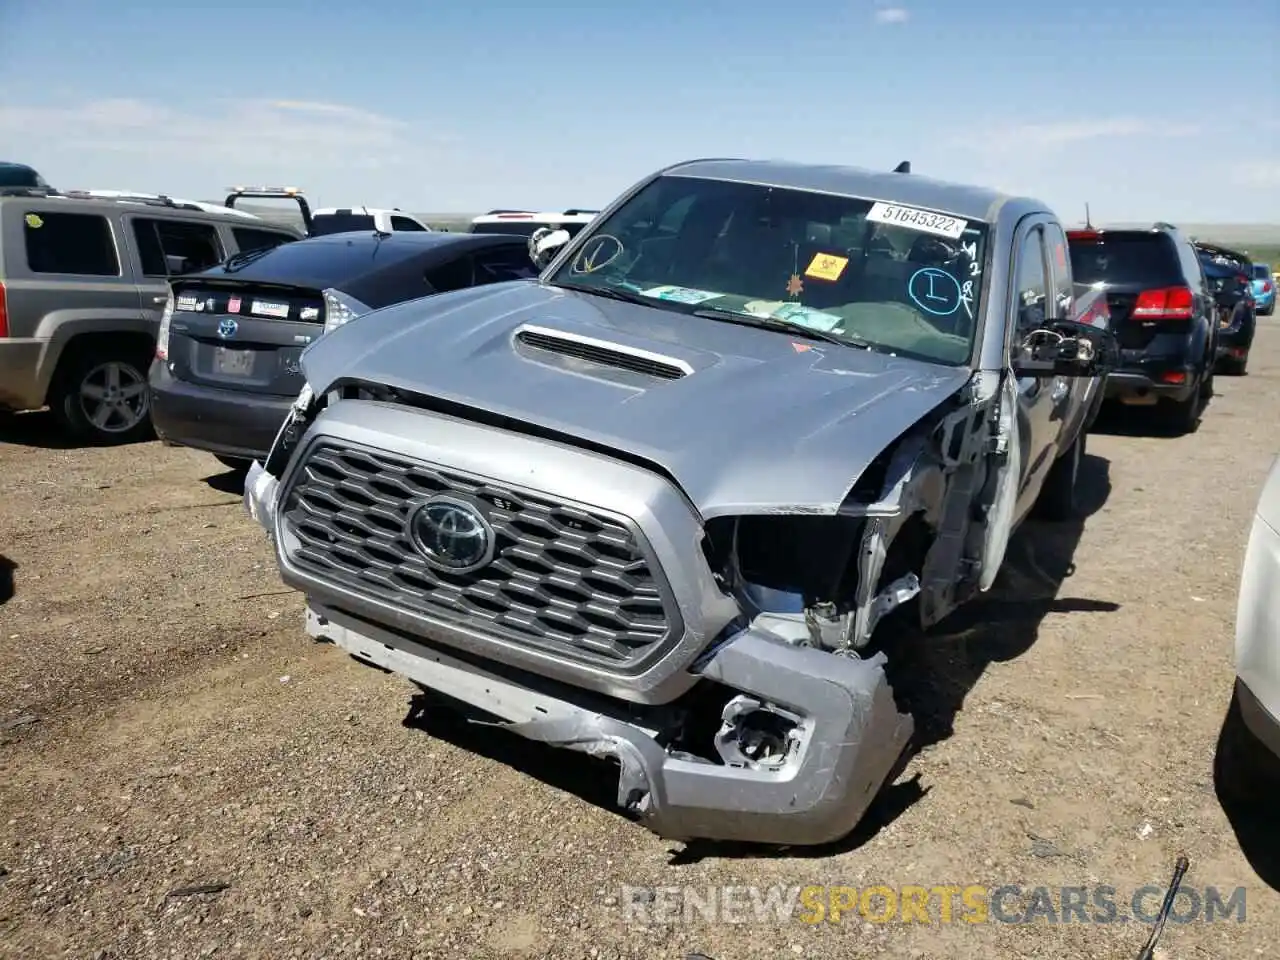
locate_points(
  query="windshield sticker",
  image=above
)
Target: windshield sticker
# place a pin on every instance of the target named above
(914, 219)
(233, 305)
(826, 266)
(935, 291)
(680, 294)
(186, 303)
(794, 313)
(600, 251)
(33, 221)
(795, 286)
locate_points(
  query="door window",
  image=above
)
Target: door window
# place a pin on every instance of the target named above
(168, 247)
(70, 243)
(1031, 288)
(406, 224)
(1060, 261)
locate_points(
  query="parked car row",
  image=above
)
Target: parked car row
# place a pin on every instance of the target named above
(85, 300)
(1181, 311)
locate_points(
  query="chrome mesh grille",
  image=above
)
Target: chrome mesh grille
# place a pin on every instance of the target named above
(571, 580)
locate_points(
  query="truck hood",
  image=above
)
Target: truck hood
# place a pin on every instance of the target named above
(760, 421)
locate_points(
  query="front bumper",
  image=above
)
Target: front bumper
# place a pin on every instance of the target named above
(224, 422)
(846, 734)
(849, 733)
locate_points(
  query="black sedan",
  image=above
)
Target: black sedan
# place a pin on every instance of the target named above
(226, 365)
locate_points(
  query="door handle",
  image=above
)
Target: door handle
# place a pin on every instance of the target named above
(163, 299)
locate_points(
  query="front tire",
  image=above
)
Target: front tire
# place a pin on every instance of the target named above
(103, 399)
(1059, 499)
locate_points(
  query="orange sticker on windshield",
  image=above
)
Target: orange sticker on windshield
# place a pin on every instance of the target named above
(826, 266)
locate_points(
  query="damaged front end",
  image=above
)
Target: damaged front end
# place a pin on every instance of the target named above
(773, 720)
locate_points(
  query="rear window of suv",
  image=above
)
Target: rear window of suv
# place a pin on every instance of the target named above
(1144, 258)
(80, 244)
(1261, 271)
(326, 223)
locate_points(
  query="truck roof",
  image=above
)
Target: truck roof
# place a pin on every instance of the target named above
(909, 189)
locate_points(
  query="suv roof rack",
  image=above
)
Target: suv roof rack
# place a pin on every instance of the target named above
(494, 213)
(273, 193)
(29, 192)
(575, 212)
(152, 200)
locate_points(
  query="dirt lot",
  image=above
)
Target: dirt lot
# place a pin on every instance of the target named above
(164, 722)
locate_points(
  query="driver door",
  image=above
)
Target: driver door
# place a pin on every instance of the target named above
(1026, 426)
(1037, 427)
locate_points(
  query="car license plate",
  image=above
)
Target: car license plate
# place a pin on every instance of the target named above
(233, 363)
(266, 308)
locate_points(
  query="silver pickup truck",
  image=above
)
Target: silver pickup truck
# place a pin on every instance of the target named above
(657, 504)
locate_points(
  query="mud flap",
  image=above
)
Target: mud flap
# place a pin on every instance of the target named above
(1007, 455)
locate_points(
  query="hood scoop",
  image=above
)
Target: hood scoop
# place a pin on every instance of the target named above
(543, 343)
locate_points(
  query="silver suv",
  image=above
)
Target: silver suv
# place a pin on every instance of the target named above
(658, 504)
(83, 282)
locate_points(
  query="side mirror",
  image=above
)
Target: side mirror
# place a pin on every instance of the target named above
(545, 243)
(1066, 348)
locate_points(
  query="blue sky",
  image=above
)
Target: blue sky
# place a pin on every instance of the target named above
(444, 105)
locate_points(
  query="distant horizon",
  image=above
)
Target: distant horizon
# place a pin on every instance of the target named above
(1226, 232)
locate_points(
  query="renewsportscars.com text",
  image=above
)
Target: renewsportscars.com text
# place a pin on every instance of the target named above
(942, 903)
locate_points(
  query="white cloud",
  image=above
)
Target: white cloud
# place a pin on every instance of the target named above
(1044, 136)
(253, 133)
(892, 15)
(1258, 173)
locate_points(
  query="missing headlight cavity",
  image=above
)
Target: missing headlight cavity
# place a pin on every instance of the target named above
(755, 734)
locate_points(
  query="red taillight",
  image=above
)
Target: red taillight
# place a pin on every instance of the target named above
(1241, 278)
(1170, 303)
(1266, 286)
(515, 216)
(4, 313)
(1082, 236)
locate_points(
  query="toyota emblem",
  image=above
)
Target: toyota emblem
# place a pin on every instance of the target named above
(452, 535)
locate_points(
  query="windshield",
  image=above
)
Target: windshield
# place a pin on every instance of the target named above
(832, 264)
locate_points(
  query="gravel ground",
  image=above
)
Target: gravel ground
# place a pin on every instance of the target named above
(165, 723)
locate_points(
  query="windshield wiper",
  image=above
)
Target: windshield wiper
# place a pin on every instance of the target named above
(244, 258)
(612, 293)
(778, 323)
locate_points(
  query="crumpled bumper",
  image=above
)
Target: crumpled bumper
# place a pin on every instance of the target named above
(847, 738)
(260, 490)
(845, 734)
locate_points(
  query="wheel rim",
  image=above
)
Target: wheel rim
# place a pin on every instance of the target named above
(113, 397)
